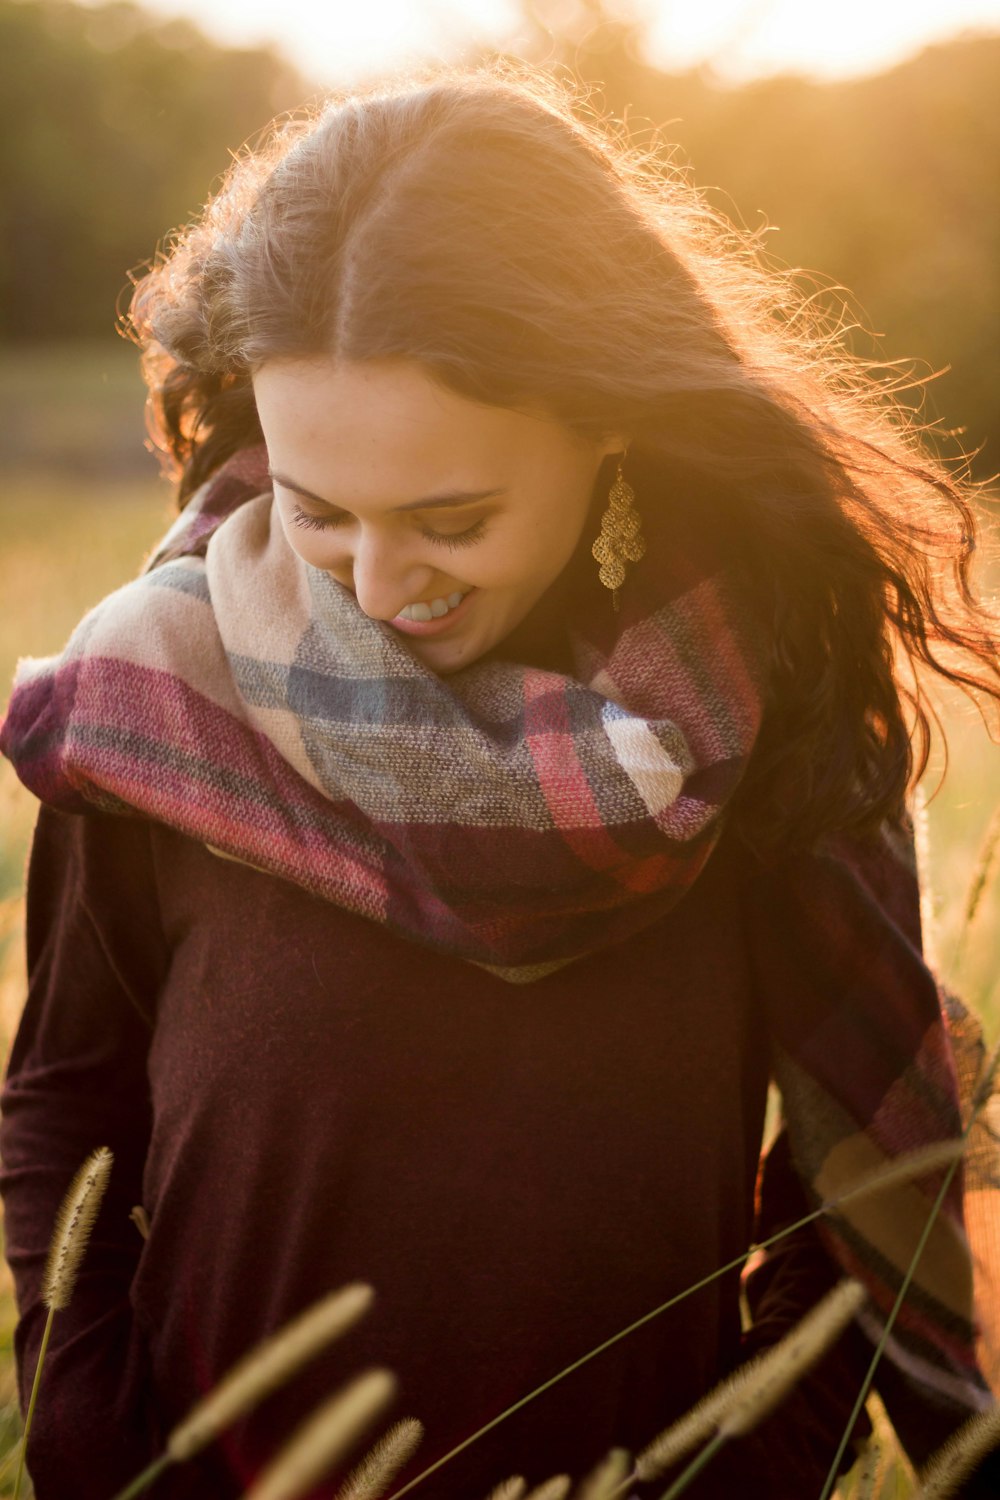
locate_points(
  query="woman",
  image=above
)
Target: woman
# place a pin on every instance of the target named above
(497, 774)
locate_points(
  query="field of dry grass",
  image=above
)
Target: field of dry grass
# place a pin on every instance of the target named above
(70, 532)
(79, 507)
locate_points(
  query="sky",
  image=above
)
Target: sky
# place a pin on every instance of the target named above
(337, 41)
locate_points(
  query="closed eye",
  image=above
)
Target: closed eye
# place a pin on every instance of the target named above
(466, 538)
(309, 522)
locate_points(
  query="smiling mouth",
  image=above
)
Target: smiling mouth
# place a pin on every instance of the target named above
(426, 622)
(433, 609)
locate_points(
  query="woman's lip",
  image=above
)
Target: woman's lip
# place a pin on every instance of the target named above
(433, 627)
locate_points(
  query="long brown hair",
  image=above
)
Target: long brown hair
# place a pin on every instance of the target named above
(477, 221)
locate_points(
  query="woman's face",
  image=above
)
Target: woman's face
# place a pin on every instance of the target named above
(445, 518)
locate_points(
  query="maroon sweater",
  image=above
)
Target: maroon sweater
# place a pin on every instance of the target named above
(301, 1099)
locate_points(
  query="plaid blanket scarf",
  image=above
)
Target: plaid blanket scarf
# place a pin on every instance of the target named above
(517, 817)
(242, 696)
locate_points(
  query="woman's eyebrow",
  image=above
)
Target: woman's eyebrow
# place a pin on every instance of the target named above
(453, 498)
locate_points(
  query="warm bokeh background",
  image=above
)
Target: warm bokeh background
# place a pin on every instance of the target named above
(117, 124)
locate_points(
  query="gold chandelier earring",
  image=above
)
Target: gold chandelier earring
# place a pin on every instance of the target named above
(621, 540)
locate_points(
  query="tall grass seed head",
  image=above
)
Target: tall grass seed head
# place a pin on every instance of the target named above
(74, 1223)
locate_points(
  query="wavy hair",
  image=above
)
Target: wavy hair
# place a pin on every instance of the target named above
(489, 224)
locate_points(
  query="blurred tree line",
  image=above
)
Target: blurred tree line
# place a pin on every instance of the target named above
(118, 123)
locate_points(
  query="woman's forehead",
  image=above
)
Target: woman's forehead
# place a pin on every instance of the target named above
(362, 424)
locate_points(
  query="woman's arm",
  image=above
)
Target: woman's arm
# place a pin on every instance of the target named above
(77, 1080)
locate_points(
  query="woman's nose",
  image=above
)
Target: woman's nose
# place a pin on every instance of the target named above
(383, 577)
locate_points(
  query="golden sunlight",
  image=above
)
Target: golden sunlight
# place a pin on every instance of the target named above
(739, 39)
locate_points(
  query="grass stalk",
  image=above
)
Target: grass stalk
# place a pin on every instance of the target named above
(605, 1480)
(983, 1089)
(980, 878)
(771, 1376)
(145, 1479)
(694, 1427)
(74, 1223)
(268, 1366)
(694, 1468)
(325, 1437)
(556, 1488)
(256, 1375)
(380, 1465)
(928, 903)
(19, 1476)
(906, 1168)
(510, 1489)
(955, 1461)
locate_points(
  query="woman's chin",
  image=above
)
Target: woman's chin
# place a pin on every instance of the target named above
(445, 656)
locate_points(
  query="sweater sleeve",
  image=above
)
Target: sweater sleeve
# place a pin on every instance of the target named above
(76, 1079)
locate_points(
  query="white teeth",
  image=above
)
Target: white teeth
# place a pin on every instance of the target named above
(432, 609)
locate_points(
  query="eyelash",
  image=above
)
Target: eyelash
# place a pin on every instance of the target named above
(467, 538)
